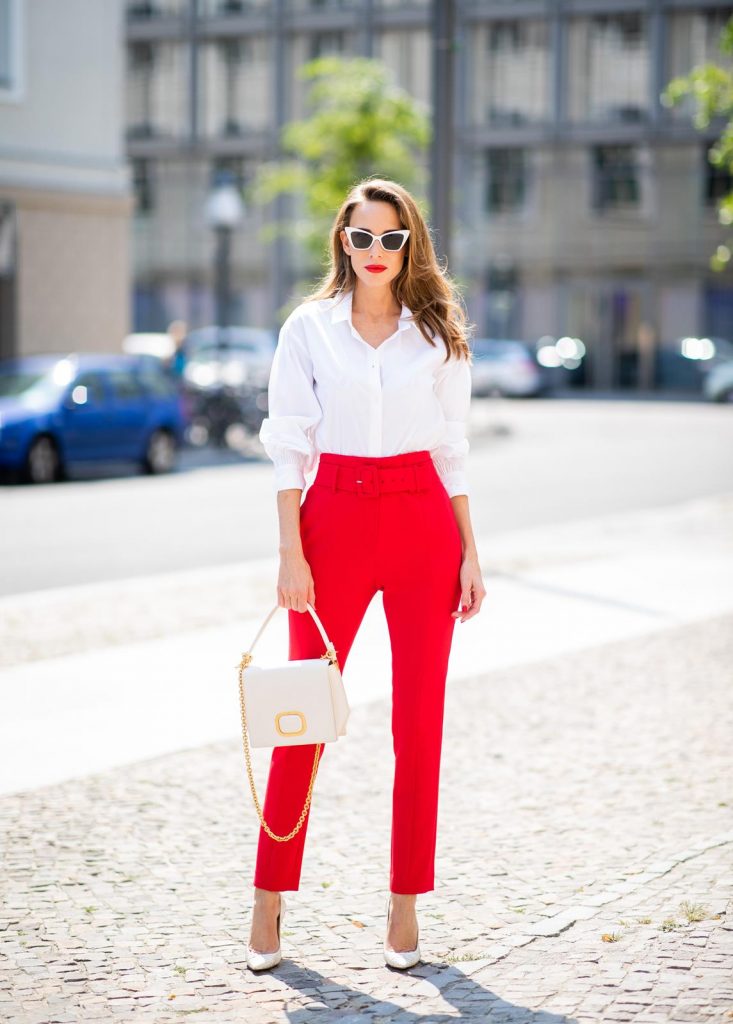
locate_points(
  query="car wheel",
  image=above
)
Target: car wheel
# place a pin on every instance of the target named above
(42, 463)
(160, 453)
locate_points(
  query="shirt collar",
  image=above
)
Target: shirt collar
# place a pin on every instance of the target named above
(341, 310)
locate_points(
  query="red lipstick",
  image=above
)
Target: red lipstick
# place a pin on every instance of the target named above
(375, 268)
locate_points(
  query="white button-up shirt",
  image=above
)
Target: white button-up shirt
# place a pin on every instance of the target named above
(331, 391)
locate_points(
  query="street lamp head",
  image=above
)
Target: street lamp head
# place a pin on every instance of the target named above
(224, 205)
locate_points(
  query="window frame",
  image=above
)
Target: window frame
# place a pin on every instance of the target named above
(601, 201)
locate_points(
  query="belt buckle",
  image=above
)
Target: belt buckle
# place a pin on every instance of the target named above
(368, 480)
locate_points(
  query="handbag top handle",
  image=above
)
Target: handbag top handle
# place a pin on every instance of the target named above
(314, 615)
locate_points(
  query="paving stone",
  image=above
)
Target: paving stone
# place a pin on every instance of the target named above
(598, 796)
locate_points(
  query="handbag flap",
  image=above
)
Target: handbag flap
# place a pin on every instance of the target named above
(290, 700)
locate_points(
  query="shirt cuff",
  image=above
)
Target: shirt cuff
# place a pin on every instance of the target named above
(287, 475)
(452, 474)
(455, 483)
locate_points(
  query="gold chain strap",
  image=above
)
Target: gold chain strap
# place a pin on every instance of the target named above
(246, 659)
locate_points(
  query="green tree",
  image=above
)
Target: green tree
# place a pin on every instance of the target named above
(359, 124)
(711, 88)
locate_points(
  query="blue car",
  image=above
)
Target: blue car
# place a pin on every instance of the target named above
(56, 410)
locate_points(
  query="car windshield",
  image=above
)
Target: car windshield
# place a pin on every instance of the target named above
(498, 350)
(250, 339)
(209, 353)
(34, 381)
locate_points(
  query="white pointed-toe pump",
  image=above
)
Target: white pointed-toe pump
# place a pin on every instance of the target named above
(405, 958)
(260, 961)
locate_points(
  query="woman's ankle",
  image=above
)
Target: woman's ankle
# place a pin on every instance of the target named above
(266, 895)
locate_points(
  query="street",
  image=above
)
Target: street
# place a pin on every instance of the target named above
(531, 463)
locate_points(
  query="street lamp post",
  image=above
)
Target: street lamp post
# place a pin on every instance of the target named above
(224, 213)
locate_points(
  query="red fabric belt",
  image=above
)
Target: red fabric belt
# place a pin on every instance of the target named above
(372, 480)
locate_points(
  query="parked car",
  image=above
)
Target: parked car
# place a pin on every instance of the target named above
(233, 354)
(505, 367)
(83, 407)
(153, 343)
(718, 382)
(226, 375)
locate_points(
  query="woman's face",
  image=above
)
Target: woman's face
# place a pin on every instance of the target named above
(375, 216)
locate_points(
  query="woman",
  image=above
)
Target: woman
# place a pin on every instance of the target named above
(371, 381)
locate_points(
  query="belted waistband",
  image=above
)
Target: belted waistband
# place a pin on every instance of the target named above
(372, 477)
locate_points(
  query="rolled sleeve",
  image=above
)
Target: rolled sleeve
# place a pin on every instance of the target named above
(287, 433)
(453, 388)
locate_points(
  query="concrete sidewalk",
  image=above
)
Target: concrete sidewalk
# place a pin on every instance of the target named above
(583, 872)
(103, 675)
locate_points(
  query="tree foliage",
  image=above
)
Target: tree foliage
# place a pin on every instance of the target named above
(711, 88)
(359, 123)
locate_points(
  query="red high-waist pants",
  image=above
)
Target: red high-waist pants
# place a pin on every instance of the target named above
(371, 524)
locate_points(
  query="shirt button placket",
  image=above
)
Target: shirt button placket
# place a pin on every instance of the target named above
(375, 427)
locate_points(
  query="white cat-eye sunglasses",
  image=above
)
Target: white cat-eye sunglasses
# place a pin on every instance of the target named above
(391, 241)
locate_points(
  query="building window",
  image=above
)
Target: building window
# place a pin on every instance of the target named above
(510, 69)
(693, 39)
(142, 185)
(145, 9)
(505, 179)
(230, 8)
(608, 68)
(141, 63)
(324, 44)
(11, 49)
(235, 93)
(616, 178)
(157, 89)
(718, 181)
(235, 55)
(406, 52)
(322, 4)
(502, 302)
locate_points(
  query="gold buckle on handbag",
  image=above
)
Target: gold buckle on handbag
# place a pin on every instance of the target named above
(288, 714)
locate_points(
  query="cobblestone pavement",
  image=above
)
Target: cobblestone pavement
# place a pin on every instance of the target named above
(584, 870)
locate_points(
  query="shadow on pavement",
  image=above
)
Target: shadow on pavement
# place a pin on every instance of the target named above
(473, 1001)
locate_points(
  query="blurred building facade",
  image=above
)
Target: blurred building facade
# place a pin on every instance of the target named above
(582, 206)
(65, 191)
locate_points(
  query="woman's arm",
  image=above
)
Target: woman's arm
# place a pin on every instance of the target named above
(287, 432)
(287, 436)
(472, 585)
(453, 388)
(463, 518)
(295, 581)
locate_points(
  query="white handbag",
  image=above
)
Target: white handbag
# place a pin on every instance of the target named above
(301, 701)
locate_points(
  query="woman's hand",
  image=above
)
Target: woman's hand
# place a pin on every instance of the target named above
(295, 582)
(472, 588)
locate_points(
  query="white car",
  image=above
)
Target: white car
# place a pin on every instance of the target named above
(505, 367)
(232, 355)
(153, 343)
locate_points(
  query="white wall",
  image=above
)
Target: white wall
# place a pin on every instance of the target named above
(65, 128)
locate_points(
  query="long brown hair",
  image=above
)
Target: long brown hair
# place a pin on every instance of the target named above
(421, 284)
